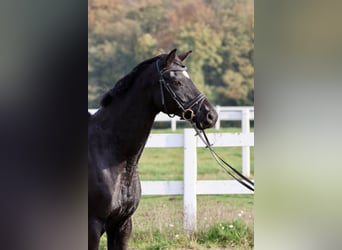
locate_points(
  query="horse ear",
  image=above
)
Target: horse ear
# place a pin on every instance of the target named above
(170, 57)
(184, 55)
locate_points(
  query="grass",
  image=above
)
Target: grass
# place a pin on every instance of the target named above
(158, 223)
(167, 163)
(223, 221)
(233, 234)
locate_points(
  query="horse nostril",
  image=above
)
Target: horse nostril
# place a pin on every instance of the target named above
(210, 117)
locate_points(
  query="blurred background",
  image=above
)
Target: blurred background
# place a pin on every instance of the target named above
(220, 33)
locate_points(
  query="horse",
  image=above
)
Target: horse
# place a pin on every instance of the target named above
(117, 134)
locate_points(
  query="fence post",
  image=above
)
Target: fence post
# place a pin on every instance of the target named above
(218, 122)
(190, 179)
(173, 124)
(245, 149)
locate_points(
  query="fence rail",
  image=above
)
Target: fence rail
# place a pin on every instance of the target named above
(236, 113)
(190, 187)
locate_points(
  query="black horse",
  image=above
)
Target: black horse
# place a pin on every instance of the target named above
(117, 135)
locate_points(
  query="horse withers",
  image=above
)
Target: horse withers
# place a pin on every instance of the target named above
(117, 134)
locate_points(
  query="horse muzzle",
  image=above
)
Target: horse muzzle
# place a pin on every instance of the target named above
(206, 118)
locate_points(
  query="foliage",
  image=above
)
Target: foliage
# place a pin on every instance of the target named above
(220, 32)
(227, 234)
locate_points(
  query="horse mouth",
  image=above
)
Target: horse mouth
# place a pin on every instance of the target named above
(208, 122)
(204, 125)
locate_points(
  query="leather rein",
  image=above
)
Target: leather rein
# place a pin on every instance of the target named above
(222, 163)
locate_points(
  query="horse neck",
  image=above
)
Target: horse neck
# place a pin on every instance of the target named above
(127, 122)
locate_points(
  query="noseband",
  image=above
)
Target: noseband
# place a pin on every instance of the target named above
(187, 112)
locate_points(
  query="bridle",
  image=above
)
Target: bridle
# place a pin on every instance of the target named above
(187, 112)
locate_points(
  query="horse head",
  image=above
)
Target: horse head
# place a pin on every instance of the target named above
(179, 95)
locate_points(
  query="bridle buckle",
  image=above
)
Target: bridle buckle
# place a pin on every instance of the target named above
(188, 114)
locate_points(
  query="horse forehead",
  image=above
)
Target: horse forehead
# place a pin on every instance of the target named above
(173, 74)
(186, 74)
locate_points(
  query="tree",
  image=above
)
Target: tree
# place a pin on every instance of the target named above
(145, 47)
(235, 84)
(220, 33)
(203, 41)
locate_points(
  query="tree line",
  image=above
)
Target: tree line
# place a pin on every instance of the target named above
(122, 33)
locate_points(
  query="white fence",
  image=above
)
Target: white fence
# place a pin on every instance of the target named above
(190, 187)
(237, 113)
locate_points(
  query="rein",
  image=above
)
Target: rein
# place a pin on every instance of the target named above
(188, 114)
(222, 163)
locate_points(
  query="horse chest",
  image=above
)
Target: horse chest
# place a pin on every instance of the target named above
(125, 193)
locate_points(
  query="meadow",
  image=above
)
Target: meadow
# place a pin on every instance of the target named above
(223, 221)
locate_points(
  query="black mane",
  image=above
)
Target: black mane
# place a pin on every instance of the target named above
(126, 82)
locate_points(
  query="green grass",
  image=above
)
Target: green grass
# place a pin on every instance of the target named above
(167, 163)
(223, 221)
(158, 223)
(232, 234)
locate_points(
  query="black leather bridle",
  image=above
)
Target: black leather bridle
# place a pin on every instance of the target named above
(187, 112)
